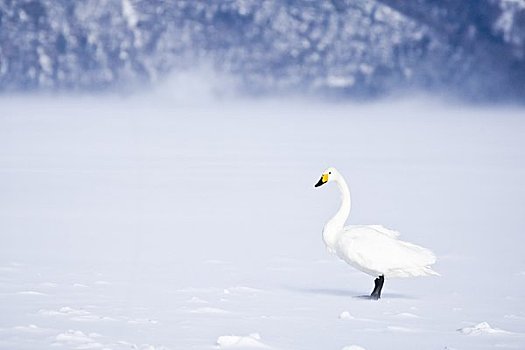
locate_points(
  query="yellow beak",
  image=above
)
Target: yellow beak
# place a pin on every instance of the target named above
(322, 180)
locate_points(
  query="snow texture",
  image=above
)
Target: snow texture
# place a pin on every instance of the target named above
(345, 315)
(482, 328)
(240, 342)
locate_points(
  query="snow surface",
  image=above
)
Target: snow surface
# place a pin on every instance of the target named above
(146, 223)
(240, 342)
(482, 328)
(353, 347)
(345, 315)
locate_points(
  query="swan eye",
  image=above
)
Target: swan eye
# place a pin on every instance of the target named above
(330, 172)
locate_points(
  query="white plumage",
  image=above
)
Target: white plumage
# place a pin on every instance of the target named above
(376, 251)
(372, 249)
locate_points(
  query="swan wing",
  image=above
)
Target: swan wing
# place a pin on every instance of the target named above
(380, 228)
(376, 253)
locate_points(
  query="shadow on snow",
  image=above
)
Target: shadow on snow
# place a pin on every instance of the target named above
(344, 293)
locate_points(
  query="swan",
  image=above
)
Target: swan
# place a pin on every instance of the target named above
(372, 249)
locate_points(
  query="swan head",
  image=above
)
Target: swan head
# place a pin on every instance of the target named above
(329, 175)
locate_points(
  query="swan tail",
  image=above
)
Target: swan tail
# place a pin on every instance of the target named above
(430, 272)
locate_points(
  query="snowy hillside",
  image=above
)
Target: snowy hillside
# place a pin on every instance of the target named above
(356, 48)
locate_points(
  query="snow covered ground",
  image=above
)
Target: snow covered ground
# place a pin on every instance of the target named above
(146, 223)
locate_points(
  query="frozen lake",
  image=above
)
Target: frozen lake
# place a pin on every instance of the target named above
(144, 223)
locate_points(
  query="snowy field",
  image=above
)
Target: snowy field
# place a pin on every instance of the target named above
(146, 223)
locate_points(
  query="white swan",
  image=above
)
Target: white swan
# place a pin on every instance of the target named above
(373, 249)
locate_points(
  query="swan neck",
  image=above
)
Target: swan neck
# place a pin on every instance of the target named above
(336, 224)
(344, 210)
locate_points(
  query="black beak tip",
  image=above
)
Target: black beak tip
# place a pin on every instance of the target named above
(319, 183)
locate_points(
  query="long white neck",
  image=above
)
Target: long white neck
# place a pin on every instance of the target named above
(335, 225)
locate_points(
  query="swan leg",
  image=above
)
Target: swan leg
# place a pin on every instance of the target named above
(378, 286)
